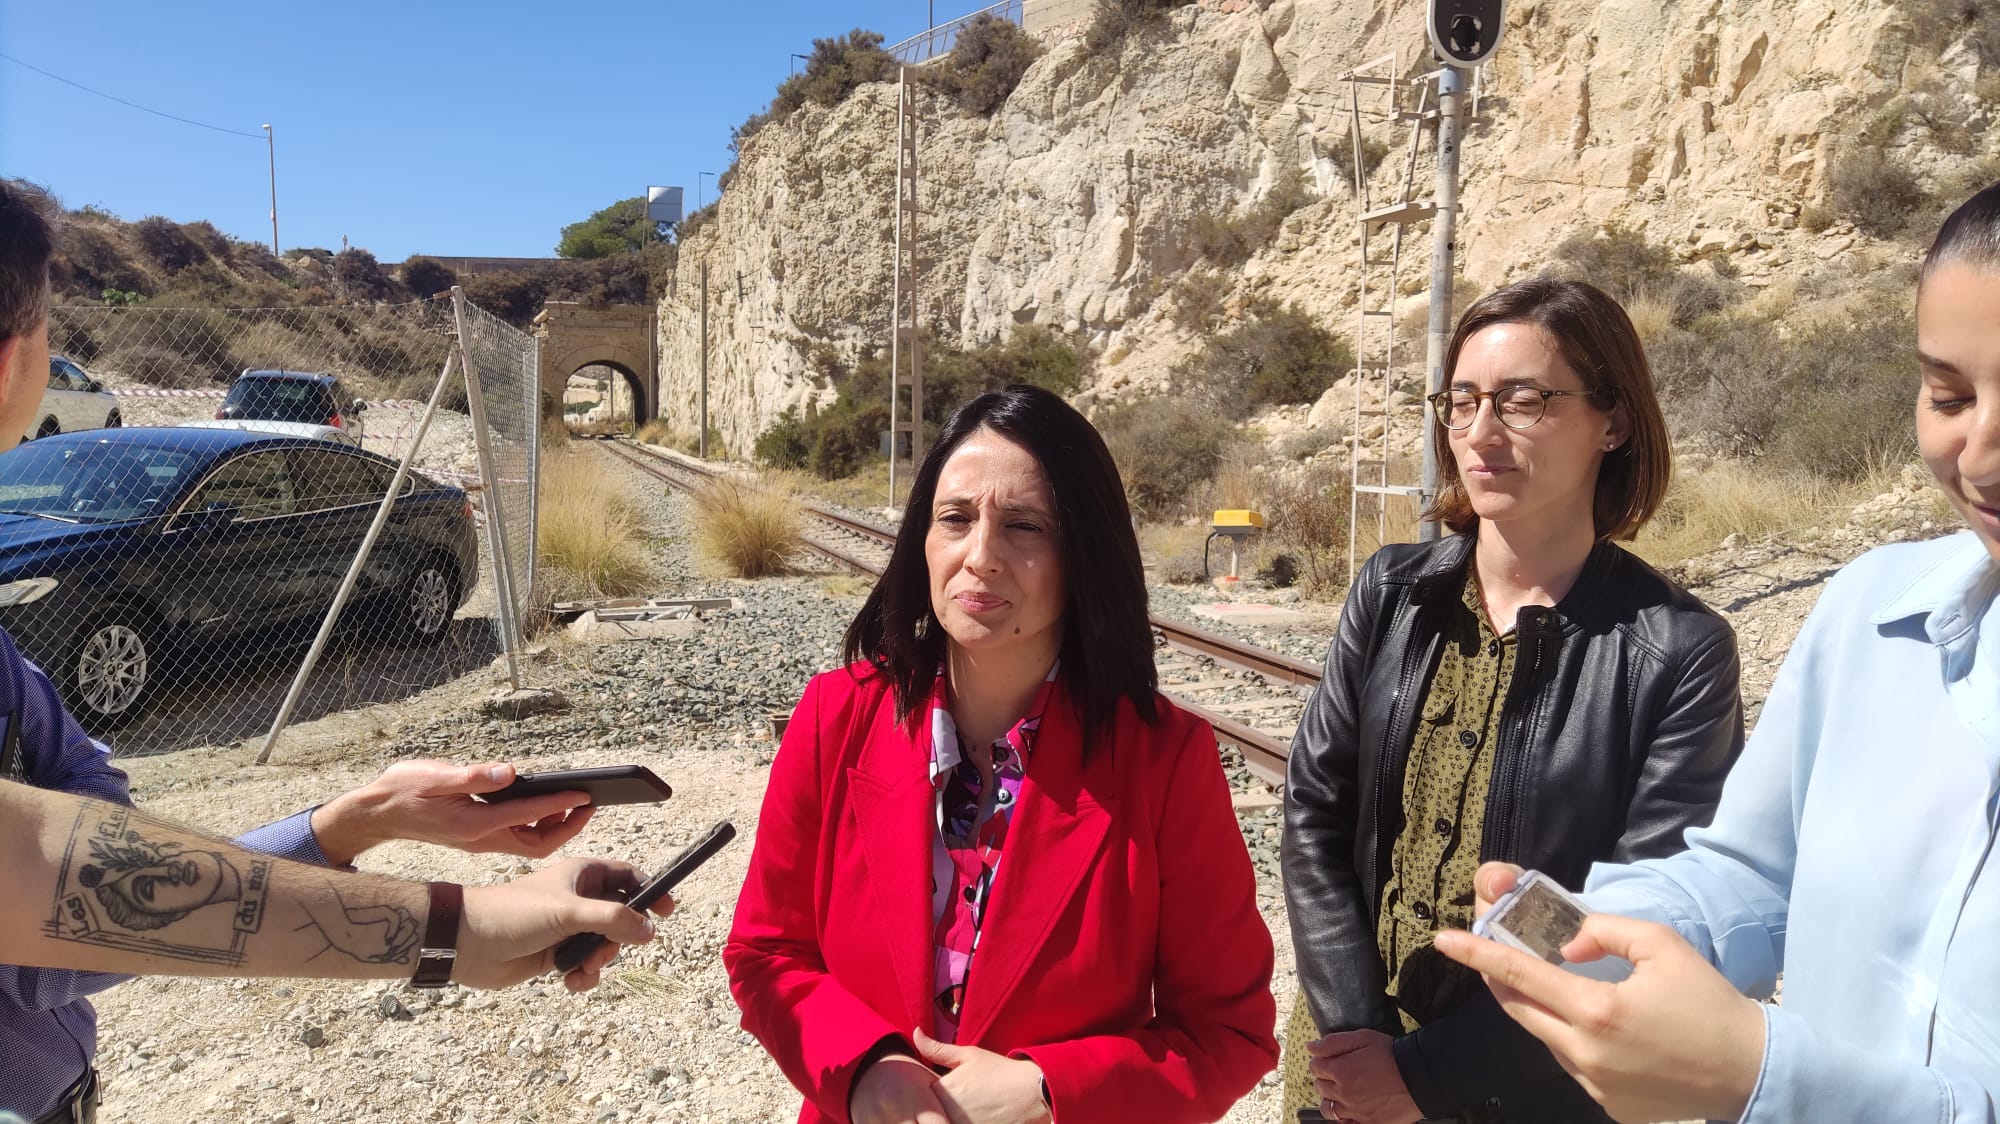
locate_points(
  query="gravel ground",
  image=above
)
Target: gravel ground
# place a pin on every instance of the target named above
(658, 1041)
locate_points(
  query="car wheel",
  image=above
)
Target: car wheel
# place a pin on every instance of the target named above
(112, 668)
(113, 420)
(49, 428)
(428, 599)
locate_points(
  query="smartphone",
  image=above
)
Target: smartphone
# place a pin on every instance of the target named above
(574, 950)
(1539, 917)
(607, 785)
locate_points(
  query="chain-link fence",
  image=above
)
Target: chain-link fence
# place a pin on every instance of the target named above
(201, 481)
(939, 40)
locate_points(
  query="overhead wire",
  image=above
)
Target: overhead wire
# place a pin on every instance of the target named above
(132, 104)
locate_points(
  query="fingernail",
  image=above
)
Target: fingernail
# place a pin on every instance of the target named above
(496, 772)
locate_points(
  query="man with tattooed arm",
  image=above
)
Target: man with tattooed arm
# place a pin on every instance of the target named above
(94, 886)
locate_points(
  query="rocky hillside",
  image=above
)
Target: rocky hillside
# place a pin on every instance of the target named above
(1711, 126)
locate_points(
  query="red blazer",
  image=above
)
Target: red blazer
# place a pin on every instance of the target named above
(1123, 951)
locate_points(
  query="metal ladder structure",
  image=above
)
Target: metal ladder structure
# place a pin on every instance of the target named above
(903, 308)
(1379, 95)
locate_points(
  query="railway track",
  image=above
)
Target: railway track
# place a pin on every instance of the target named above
(1252, 696)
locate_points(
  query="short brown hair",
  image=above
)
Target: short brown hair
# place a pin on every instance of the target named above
(27, 245)
(1597, 340)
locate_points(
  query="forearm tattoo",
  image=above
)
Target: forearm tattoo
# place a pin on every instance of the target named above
(126, 884)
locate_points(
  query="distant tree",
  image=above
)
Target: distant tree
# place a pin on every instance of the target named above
(986, 63)
(616, 229)
(361, 277)
(836, 69)
(167, 243)
(427, 276)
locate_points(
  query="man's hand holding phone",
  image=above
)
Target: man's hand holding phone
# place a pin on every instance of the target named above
(449, 805)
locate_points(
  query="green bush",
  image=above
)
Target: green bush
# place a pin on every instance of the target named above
(986, 62)
(620, 228)
(1278, 355)
(361, 277)
(784, 444)
(1228, 240)
(835, 69)
(1373, 152)
(1874, 189)
(1625, 264)
(90, 261)
(1114, 21)
(1831, 398)
(1164, 448)
(427, 276)
(170, 246)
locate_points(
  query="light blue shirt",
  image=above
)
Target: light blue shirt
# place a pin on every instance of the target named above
(1853, 851)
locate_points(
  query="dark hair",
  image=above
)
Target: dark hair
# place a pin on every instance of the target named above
(1107, 642)
(1597, 340)
(27, 245)
(1971, 236)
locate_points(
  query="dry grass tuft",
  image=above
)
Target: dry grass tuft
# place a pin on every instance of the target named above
(587, 532)
(656, 432)
(1727, 498)
(752, 529)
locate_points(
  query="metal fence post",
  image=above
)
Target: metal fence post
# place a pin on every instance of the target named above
(497, 547)
(354, 568)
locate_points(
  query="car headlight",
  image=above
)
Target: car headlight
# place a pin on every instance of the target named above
(26, 590)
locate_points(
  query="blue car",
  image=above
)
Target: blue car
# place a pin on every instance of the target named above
(127, 553)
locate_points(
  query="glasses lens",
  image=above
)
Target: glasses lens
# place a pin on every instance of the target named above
(1456, 409)
(1519, 406)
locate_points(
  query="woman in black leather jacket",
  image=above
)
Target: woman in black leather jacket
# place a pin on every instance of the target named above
(1523, 690)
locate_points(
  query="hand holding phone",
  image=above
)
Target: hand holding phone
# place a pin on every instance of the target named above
(607, 785)
(575, 950)
(1539, 917)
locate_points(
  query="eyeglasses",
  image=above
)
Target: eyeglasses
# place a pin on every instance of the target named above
(1517, 407)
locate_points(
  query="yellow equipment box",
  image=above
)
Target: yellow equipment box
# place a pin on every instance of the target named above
(1239, 520)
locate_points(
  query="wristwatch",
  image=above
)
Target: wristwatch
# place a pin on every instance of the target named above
(438, 953)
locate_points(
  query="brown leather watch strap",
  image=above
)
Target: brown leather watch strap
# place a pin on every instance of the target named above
(439, 951)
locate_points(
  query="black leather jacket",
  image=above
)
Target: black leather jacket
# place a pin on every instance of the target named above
(1622, 720)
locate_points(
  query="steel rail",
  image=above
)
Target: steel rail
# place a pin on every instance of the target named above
(1265, 755)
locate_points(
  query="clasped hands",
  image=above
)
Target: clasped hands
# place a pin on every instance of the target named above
(980, 1087)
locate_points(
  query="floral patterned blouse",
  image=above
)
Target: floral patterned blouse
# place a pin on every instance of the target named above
(971, 831)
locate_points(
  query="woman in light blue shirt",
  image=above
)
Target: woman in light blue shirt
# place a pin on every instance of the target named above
(1854, 847)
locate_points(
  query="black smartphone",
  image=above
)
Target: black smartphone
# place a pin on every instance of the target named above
(607, 785)
(574, 950)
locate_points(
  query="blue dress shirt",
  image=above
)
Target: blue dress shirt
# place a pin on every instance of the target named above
(1853, 851)
(48, 1031)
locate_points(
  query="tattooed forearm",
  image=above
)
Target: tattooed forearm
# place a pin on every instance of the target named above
(372, 934)
(127, 883)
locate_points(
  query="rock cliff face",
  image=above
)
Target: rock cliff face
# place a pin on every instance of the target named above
(1706, 123)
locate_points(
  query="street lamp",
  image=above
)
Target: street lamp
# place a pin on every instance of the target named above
(271, 149)
(699, 198)
(795, 61)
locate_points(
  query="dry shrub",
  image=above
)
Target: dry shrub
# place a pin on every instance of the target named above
(587, 533)
(657, 432)
(1874, 189)
(1308, 520)
(1651, 316)
(752, 529)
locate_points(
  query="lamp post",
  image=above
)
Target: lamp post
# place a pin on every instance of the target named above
(700, 198)
(271, 149)
(795, 60)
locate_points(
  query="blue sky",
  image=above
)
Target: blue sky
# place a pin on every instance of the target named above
(416, 127)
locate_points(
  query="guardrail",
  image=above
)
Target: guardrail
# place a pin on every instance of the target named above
(927, 45)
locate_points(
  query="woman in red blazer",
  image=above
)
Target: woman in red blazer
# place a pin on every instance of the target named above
(997, 877)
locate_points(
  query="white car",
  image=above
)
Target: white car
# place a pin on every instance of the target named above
(75, 401)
